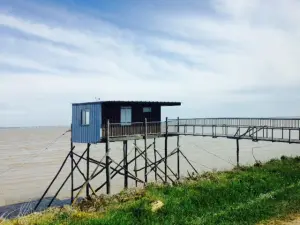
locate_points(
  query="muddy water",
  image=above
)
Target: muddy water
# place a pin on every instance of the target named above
(26, 167)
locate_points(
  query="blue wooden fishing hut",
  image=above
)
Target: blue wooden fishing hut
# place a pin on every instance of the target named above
(126, 118)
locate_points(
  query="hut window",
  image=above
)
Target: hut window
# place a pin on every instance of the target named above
(146, 109)
(85, 117)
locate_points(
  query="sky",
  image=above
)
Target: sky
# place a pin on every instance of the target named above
(220, 58)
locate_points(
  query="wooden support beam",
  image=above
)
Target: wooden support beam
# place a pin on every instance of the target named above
(55, 177)
(63, 184)
(145, 142)
(237, 153)
(72, 169)
(157, 167)
(92, 177)
(88, 169)
(166, 152)
(155, 158)
(178, 150)
(125, 164)
(107, 161)
(189, 162)
(135, 163)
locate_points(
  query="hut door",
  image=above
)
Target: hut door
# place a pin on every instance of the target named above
(125, 115)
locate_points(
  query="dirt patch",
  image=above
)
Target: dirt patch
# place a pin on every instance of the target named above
(291, 220)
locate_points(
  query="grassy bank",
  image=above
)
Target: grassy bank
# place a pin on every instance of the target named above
(249, 195)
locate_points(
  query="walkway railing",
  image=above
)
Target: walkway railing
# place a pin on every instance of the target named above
(134, 129)
(175, 125)
(241, 122)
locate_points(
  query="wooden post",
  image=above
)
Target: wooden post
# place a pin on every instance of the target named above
(72, 169)
(125, 164)
(256, 132)
(135, 164)
(282, 133)
(146, 161)
(107, 163)
(237, 153)
(272, 133)
(289, 135)
(155, 159)
(166, 152)
(178, 151)
(88, 169)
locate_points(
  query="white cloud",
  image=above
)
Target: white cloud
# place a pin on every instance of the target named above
(202, 60)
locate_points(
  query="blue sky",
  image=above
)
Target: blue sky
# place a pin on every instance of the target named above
(218, 57)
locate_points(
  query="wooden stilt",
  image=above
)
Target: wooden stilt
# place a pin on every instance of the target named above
(166, 152)
(55, 177)
(88, 169)
(237, 153)
(125, 164)
(155, 159)
(63, 184)
(135, 163)
(189, 162)
(145, 141)
(72, 169)
(178, 151)
(107, 163)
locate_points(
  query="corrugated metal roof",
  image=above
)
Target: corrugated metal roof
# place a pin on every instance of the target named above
(162, 103)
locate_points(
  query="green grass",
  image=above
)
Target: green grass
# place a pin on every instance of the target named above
(248, 195)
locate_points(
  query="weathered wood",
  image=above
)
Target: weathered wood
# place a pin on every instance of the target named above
(145, 142)
(88, 169)
(107, 161)
(135, 163)
(125, 164)
(157, 167)
(92, 177)
(237, 153)
(72, 169)
(55, 177)
(82, 174)
(172, 153)
(178, 151)
(189, 162)
(166, 152)
(63, 184)
(155, 159)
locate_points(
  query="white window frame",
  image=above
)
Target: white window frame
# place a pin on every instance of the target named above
(85, 117)
(147, 109)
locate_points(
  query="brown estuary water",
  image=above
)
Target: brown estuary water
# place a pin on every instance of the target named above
(27, 168)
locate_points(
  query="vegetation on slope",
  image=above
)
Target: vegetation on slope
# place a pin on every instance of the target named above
(248, 195)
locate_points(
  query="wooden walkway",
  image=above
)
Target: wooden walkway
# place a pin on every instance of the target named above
(285, 130)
